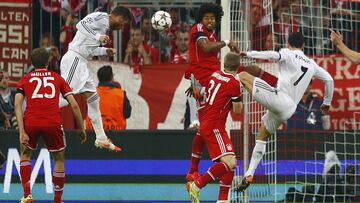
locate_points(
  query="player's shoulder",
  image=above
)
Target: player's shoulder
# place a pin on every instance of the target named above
(197, 27)
(100, 15)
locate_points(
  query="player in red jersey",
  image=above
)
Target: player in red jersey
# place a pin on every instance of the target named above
(222, 94)
(41, 89)
(204, 48)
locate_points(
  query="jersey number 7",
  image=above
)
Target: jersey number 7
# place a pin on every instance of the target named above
(304, 70)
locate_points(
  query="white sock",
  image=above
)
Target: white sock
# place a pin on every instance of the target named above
(63, 102)
(95, 116)
(257, 155)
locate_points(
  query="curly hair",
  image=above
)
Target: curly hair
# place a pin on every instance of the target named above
(216, 9)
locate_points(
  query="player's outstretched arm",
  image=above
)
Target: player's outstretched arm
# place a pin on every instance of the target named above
(78, 117)
(208, 46)
(337, 40)
(19, 99)
(266, 55)
(323, 75)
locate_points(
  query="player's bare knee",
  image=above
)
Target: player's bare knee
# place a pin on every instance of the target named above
(243, 76)
(230, 161)
(59, 156)
(253, 70)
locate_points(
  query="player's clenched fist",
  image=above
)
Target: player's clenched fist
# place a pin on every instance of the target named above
(82, 136)
(110, 51)
(104, 39)
(324, 109)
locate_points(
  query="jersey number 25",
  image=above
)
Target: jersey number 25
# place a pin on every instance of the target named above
(45, 82)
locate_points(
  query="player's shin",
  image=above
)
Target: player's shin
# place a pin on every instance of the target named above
(225, 184)
(257, 155)
(95, 116)
(25, 173)
(59, 181)
(214, 172)
(196, 151)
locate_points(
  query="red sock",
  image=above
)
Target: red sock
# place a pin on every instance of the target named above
(270, 79)
(59, 181)
(196, 151)
(25, 173)
(225, 184)
(214, 172)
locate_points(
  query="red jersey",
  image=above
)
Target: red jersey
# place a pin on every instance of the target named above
(178, 58)
(202, 64)
(219, 93)
(41, 89)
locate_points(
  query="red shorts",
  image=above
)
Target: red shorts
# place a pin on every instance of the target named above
(218, 142)
(54, 137)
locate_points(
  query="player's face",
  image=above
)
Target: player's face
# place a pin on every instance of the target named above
(118, 22)
(209, 21)
(182, 42)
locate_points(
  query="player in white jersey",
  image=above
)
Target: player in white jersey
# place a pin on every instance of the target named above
(295, 73)
(91, 34)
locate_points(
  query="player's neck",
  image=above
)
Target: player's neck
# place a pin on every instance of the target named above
(230, 72)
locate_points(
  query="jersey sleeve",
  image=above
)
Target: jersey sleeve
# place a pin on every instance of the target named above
(198, 32)
(91, 24)
(267, 55)
(99, 51)
(236, 91)
(323, 75)
(65, 89)
(20, 86)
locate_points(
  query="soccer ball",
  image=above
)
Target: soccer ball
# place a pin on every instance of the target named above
(161, 20)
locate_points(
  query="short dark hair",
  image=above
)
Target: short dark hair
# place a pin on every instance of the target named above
(296, 39)
(122, 11)
(216, 9)
(105, 74)
(232, 61)
(39, 57)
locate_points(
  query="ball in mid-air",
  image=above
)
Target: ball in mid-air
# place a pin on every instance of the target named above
(161, 20)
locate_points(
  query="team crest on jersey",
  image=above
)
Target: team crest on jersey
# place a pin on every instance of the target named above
(229, 147)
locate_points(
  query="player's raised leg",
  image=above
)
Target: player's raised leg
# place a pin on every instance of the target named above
(247, 80)
(25, 173)
(102, 141)
(196, 153)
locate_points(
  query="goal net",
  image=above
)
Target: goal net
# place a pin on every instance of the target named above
(293, 168)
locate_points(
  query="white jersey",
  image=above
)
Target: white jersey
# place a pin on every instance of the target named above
(89, 29)
(295, 72)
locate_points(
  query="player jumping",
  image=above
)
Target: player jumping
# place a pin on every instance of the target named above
(42, 89)
(91, 33)
(295, 73)
(222, 94)
(204, 48)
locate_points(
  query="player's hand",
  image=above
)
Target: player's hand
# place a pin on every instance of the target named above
(104, 39)
(324, 109)
(242, 54)
(24, 138)
(233, 47)
(336, 37)
(110, 51)
(82, 136)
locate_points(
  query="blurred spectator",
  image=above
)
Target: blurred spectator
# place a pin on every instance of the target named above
(150, 35)
(7, 102)
(48, 42)
(181, 53)
(271, 42)
(114, 104)
(68, 31)
(286, 22)
(259, 25)
(308, 114)
(139, 53)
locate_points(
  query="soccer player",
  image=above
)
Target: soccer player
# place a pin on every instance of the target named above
(41, 89)
(295, 73)
(91, 33)
(204, 48)
(223, 93)
(337, 40)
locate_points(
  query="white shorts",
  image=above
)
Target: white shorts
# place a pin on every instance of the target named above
(74, 70)
(280, 106)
